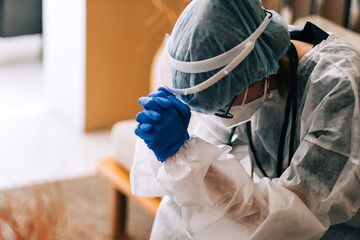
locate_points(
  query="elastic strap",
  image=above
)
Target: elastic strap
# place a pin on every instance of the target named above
(231, 136)
(294, 60)
(252, 148)
(290, 102)
(280, 156)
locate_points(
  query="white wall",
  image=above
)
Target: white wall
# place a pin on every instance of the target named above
(64, 36)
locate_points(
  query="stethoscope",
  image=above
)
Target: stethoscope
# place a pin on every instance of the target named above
(291, 103)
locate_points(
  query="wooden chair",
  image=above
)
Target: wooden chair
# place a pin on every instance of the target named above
(118, 177)
(116, 170)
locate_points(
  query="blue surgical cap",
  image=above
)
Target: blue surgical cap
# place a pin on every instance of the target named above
(208, 28)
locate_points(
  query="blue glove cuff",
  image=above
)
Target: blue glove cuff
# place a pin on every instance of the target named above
(162, 157)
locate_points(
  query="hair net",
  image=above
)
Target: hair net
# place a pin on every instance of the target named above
(208, 28)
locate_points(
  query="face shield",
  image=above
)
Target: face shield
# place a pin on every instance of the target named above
(228, 60)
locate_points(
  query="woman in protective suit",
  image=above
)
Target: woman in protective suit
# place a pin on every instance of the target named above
(289, 99)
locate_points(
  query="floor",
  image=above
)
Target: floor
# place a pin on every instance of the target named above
(34, 145)
(68, 202)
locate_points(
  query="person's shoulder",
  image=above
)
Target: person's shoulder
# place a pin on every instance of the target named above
(335, 70)
(338, 48)
(337, 58)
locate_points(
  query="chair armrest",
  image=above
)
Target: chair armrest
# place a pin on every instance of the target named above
(118, 177)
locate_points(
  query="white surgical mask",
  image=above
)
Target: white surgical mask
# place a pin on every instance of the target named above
(243, 112)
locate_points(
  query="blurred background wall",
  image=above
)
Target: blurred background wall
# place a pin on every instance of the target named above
(98, 54)
(71, 66)
(343, 12)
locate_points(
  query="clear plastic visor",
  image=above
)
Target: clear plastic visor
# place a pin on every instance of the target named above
(229, 60)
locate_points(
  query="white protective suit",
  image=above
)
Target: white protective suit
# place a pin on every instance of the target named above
(209, 195)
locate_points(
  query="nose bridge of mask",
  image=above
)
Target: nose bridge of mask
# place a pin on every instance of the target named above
(243, 113)
(245, 96)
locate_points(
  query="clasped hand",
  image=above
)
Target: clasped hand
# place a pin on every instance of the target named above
(163, 123)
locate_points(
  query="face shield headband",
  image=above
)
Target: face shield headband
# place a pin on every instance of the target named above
(230, 59)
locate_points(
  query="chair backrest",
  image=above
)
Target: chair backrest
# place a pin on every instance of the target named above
(329, 26)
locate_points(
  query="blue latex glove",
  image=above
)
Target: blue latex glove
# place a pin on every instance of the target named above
(163, 123)
(155, 101)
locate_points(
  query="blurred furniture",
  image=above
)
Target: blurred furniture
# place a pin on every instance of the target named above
(342, 12)
(97, 56)
(329, 26)
(354, 16)
(116, 170)
(20, 17)
(141, 28)
(118, 176)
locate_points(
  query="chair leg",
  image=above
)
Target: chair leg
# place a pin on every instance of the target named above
(118, 212)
